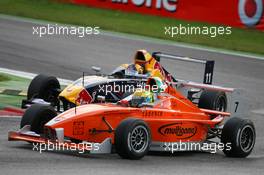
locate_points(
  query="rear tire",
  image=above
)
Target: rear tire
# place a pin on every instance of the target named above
(241, 135)
(132, 139)
(44, 87)
(37, 116)
(213, 100)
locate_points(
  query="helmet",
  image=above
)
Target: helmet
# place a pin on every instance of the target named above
(142, 57)
(141, 96)
(156, 85)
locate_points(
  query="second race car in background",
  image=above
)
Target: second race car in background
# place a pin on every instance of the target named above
(45, 89)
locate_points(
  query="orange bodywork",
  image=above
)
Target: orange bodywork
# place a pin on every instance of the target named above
(172, 118)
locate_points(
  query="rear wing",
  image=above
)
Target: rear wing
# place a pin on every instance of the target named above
(209, 64)
(237, 103)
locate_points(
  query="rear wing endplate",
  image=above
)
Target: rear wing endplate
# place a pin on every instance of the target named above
(209, 64)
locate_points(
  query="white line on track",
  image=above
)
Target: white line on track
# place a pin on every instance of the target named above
(9, 116)
(29, 75)
(258, 111)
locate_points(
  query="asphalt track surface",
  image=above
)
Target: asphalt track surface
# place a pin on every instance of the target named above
(67, 57)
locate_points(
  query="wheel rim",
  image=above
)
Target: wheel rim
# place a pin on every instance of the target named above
(247, 138)
(138, 139)
(221, 104)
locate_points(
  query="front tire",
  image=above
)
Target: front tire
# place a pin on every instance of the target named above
(37, 116)
(240, 134)
(44, 87)
(132, 139)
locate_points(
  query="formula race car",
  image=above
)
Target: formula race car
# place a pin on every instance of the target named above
(45, 89)
(134, 125)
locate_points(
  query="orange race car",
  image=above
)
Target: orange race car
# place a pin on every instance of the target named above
(164, 120)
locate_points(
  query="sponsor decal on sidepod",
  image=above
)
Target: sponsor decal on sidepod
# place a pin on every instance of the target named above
(177, 129)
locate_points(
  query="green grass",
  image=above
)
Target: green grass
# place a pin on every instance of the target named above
(10, 100)
(4, 77)
(241, 40)
(12, 82)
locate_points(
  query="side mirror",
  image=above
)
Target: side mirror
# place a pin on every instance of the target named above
(100, 98)
(96, 69)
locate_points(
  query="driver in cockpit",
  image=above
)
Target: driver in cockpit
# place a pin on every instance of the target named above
(144, 64)
(150, 65)
(148, 95)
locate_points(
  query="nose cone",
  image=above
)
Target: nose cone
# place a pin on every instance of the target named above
(76, 94)
(83, 111)
(71, 92)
